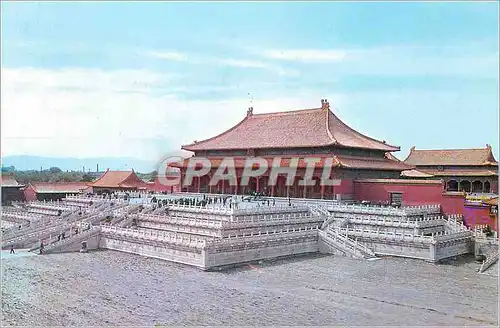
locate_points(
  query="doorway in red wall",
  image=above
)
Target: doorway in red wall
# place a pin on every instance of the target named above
(396, 198)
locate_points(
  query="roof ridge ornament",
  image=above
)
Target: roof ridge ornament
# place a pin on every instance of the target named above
(325, 104)
(250, 108)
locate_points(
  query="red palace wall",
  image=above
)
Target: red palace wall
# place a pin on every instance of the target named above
(421, 194)
(494, 187)
(29, 194)
(158, 186)
(478, 215)
(413, 194)
(452, 203)
(346, 187)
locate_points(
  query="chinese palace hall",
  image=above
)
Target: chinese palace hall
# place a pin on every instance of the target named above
(363, 166)
(303, 133)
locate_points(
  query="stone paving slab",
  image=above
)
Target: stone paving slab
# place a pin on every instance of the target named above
(110, 288)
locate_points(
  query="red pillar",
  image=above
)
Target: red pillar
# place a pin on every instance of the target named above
(198, 184)
(304, 191)
(209, 184)
(258, 184)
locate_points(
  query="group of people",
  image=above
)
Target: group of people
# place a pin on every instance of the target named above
(224, 201)
(189, 201)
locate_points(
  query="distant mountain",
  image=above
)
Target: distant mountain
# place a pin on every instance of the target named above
(26, 162)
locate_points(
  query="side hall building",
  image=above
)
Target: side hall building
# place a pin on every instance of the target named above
(116, 181)
(469, 170)
(12, 190)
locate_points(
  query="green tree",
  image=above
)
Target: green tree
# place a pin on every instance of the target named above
(153, 176)
(86, 178)
(55, 170)
(8, 168)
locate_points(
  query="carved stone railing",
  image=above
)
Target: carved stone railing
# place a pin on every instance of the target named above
(422, 209)
(365, 209)
(272, 221)
(445, 237)
(88, 199)
(454, 226)
(341, 241)
(9, 226)
(49, 223)
(386, 235)
(277, 209)
(172, 239)
(491, 258)
(21, 214)
(16, 218)
(332, 234)
(15, 232)
(72, 239)
(199, 209)
(127, 221)
(35, 235)
(274, 217)
(52, 206)
(43, 212)
(386, 210)
(228, 242)
(181, 221)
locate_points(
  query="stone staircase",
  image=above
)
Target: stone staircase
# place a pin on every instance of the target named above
(341, 242)
(126, 222)
(453, 225)
(33, 237)
(70, 241)
(34, 233)
(330, 218)
(491, 258)
(332, 235)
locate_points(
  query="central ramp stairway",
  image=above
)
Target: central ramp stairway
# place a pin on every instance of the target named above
(73, 243)
(333, 240)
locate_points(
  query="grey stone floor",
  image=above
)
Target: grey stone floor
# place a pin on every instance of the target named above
(108, 288)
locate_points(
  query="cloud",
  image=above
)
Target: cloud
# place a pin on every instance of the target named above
(43, 114)
(244, 63)
(92, 113)
(168, 55)
(82, 79)
(258, 64)
(306, 55)
(473, 59)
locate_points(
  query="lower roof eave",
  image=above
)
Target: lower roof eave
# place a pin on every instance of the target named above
(464, 175)
(370, 168)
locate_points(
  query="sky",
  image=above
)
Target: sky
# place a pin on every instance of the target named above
(129, 79)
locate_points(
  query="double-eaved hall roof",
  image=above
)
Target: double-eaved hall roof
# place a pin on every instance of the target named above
(316, 127)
